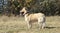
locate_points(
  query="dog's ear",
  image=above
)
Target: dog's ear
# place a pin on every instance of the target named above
(26, 8)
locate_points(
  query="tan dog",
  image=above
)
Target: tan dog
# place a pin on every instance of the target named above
(30, 18)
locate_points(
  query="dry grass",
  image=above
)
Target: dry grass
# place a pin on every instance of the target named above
(17, 25)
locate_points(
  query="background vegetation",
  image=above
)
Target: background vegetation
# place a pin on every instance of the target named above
(48, 7)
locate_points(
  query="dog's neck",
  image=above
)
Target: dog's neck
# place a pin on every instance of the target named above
(27, 14)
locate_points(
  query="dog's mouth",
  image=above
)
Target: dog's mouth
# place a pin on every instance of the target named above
(21, 13)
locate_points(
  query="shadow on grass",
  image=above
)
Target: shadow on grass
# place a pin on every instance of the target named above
(51, 27)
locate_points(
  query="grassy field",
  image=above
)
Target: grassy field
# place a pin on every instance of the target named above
(17, 25)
